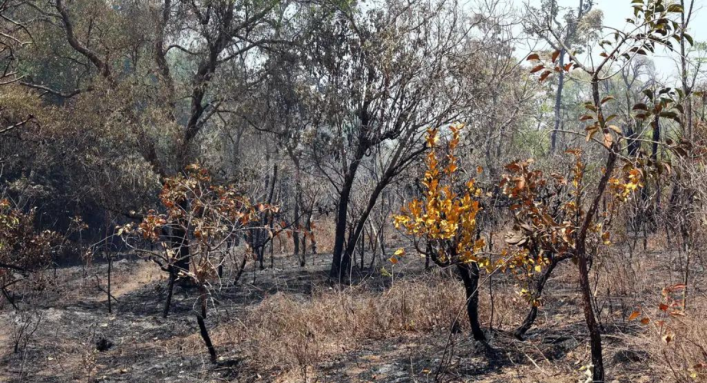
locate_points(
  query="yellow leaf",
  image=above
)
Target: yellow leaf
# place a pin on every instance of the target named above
(538, 268)
(400, 252)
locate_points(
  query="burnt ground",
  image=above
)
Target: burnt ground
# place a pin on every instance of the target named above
(144, 347)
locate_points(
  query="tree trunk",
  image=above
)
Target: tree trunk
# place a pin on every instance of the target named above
(270, 216)
(200, 316)
(110, 267)
(558, 103)
(310, 229)
(303, 255)
(362, 248)
(519, 333)
(470, 277)
(240, 270)
(341, 259)
(9, 298)
(296, 226)
(170, 290)
(654, 157)
(360, 224)
(583, 257)
(589, 317)
(685, 17)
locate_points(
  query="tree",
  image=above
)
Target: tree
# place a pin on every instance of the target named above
(22, 249)
(561, 39)
(445, 219)
(129, 90)
(211, 215)
(382, 76)
(651, 27)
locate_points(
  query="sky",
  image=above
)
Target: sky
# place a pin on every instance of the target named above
(616, 12)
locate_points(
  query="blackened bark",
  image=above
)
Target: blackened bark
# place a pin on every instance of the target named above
(654, 157)
(360, 224)
(207, 339)
(170, 290)
(240, 271)
(362, 248)
(519, 332)
(592, 325)
(180, 242)
(9, 298)
(110, 266)
(470, 277)
(583, 261)
(296, 229)
(341, 259)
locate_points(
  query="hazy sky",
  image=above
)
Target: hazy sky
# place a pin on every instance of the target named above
(616, 12)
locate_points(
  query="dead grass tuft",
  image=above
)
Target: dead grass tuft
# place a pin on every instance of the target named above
(289, 332)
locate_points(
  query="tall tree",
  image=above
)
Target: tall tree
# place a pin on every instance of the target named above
(382, 76)
(561, 38)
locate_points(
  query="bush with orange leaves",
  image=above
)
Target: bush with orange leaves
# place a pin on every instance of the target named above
(445, 220)
(200, 221)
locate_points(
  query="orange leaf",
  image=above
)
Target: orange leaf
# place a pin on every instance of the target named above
(645, 321)
(537, 68)
(533, 56)
(634, 315)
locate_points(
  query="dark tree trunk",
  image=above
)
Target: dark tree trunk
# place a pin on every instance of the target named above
(170, 290)
(341, 259)
(296, 226)
(592, 325)
(583, 257)
(110, 267)
(180, 242)
(470, 277)
(271, 217)
(362, 248)
(200, 316)
(361, 222)
(303, 255)
(240, 270)
(9, 298)
(310, 229)
(519, 333)
(654, 157)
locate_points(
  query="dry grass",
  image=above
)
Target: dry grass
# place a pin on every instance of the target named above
(676, 345)
(684, 359)
(290, 333)
(294, 333)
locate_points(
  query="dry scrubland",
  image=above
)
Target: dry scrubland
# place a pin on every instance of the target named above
(186, 154)
(289, 325)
